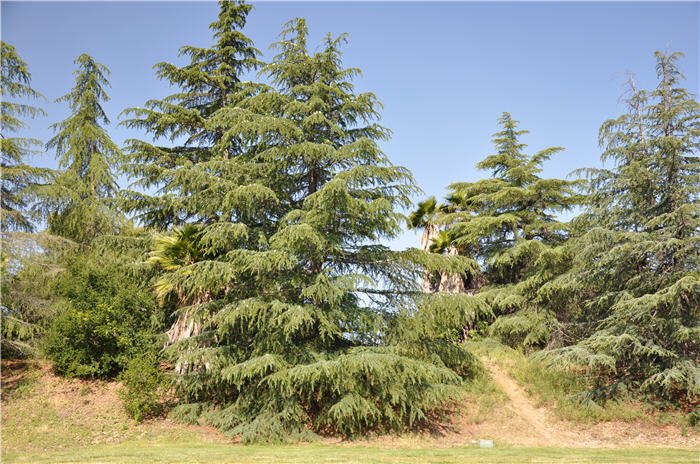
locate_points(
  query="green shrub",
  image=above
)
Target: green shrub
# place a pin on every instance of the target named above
(144, 384)
(693, 418)
(103, 320)
(85, 343)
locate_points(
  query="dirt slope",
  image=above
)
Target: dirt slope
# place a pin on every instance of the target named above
(515, 420)
(41, 411)
(540, 428)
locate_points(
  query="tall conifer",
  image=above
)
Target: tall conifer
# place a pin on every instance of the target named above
(282, 288)
(79, 201)
(17, 177)
(638, 269)
(208, 83)
(508, 224)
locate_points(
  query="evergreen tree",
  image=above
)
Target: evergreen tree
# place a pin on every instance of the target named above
(623, 198)
(79, 201)
(282, 280)
(208, 83)
(638, 269)
(17, 177)
(495, 217)
(507, 224)
(22, 310)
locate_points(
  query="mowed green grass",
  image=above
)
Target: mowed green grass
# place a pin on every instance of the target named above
(167, 452)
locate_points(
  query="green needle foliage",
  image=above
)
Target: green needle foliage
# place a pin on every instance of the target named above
(30, 263)
(508, 225)
(261, 272)
(497, 219)
(284, 294)
(18, 178)
(638, 267)
(208, 83)
(79, 201)
(21, 313)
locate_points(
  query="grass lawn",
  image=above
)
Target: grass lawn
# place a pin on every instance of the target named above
(149, 451)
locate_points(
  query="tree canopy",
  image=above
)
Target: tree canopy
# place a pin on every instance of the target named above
(212, 80)
(281, 285)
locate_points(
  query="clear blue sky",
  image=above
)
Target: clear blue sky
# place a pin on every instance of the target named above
(444, 71)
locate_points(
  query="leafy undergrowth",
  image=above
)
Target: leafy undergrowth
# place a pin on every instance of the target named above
(558, 390)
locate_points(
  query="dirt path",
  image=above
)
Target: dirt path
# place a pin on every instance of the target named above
(537, 428)
(524, 408)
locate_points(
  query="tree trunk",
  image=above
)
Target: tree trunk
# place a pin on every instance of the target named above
(184, 327)
(451, 283)
(426, 239)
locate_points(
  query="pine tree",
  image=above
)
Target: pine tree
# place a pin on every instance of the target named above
(282, 278)
(492, 217)
(17, 177)
(21, 315)
(507, 224)
(79, 201)
(208, 83)
(638, 268)
(29, 266)
(623, 198)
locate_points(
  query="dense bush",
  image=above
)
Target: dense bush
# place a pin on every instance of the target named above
(103, 320)
(143, 389)
(693, 418)
(28, 265)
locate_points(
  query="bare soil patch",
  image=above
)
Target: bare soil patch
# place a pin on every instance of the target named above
(516, 421)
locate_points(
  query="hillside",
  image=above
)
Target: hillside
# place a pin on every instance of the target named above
(43, 412)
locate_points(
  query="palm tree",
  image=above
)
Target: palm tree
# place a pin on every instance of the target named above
(174, 252)
(449, 283)
(425, 217)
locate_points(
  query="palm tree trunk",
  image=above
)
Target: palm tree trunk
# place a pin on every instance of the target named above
(451, 283)
(429, 233)
(184, 327)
